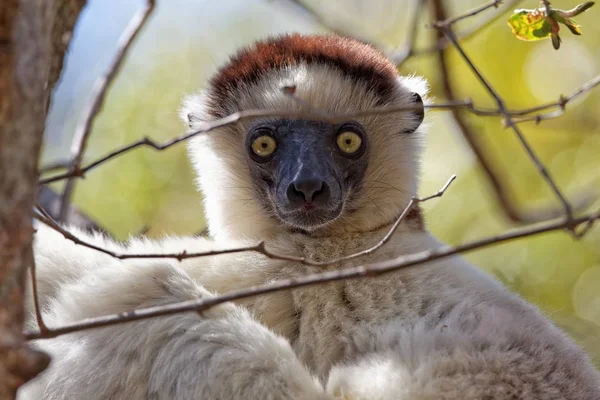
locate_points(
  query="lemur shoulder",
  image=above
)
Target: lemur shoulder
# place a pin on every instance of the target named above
(443, 330)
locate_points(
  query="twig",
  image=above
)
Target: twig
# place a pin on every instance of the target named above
(483, 22)
(41, 216)
(547, 6)
(92, 107)
(248, 114)
(586, 228)
(439, 13)
(36, 301)
(503, 195)
(399, 56)
(411, 204)
(561, 104)
(465, 35)
(447, 30)
(45, 218)
(45, 214)
(369, 270)
(471, 13)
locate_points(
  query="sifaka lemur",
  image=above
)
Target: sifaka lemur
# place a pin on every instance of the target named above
(314, 189)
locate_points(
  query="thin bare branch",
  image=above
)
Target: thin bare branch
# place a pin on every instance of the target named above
(471, 13)
(234, 118)
(439, 13)
(538, 118)
(547, 6)
(42, 216)
(502, 191)
(411, 204)
(36, 301)
(567, 208)
(369, 270)
(561, 104)
(399, 56)
(586, 228)
(465, 35)
(249, 114)
(94, 105)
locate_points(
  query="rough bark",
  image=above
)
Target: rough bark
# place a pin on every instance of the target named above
(34, 35)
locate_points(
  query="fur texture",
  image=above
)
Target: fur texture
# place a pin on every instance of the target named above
(444, 330)
(356, 61)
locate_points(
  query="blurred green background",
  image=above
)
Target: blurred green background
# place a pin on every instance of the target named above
(186, 40)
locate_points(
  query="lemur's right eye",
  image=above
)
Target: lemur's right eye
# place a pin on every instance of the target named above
(264, 146)
(349, 142)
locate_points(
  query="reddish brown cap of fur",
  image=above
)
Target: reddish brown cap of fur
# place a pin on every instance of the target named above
(358, 61)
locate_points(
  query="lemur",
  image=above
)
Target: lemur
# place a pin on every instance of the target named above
(314, 189)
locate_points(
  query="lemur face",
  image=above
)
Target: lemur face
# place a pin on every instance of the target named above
(262, 175)
(306, 171)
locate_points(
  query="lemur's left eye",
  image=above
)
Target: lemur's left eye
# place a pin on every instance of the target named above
(264, 146)
(349, 142)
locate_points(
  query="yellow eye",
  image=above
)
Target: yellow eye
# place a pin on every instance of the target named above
(349, 142)
(264, 146)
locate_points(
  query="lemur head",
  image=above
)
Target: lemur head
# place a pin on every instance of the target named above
(265, 175)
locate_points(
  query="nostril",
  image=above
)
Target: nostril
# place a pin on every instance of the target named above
(317, 193)
(308, 188)
(307, 191)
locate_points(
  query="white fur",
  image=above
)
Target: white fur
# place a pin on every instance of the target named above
(443, 330)
(221, 354)
(230, 203)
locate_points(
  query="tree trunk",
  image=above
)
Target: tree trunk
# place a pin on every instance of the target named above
(34, 35)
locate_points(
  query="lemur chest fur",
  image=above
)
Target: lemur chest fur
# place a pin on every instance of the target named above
(322, 320)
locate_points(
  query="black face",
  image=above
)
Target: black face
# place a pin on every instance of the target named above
(304, 171)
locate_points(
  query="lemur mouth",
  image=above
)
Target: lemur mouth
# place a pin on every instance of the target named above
(309, 207)
(310, 216)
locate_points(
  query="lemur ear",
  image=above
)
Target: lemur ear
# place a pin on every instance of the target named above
(416, 87)
(193, 110)
(419, 113)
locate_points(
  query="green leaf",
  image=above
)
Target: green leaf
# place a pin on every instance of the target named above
(539, 23)
(530, 24)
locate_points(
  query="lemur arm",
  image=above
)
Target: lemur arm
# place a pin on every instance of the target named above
(222, 354)
(59, 261)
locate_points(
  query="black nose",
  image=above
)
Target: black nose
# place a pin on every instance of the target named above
(308, 190)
